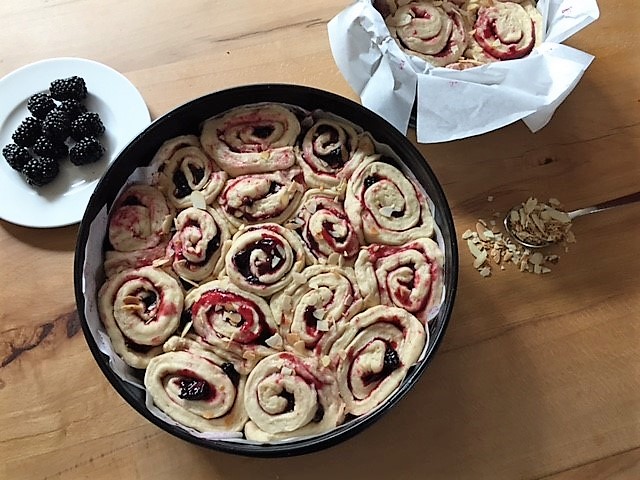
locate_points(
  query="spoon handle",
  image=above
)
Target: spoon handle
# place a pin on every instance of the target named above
(615, 202)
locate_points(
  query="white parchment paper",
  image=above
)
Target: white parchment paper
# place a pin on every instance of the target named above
(453, 104)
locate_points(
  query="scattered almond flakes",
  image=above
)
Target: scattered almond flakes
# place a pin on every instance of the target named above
(491, 247)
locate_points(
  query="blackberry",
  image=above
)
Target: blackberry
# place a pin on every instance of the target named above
(40, 171)
(87, 150)
(72, 88)
(27, 132)
(16, 156)
(45, 147)
(56, 125)
(40, 104)
(87, 125)
(73, 108)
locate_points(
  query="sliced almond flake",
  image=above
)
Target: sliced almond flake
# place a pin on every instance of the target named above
(538, 223)
(554, 202)
(530, 205)
(562, 217)
(160, 262)
(249, 355)
(480, 260)
(311, 207)
(475, 251)
(537, 269)
(186, 329)
(131, 300)
(485, 272)
(292, 338)
(280, 250)
(333, 258)
(275, 261)
(387, 211)
(191, 282)
(467, 234)
(299, 346)
(544, 269)
(319, 313)
(325, 360)
(274, 341)
(322, 326)
(286, 371)
(537, 258)
(481, 228)
(233, 318)
(134, 307)
(198, 200)
(571, 238)
(507, 256)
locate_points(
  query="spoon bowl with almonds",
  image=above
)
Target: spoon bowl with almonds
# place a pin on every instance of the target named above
(537, 225)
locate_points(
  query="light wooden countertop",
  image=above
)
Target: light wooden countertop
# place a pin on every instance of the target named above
(537, 377)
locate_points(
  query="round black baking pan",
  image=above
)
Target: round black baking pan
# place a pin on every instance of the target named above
(186, 119)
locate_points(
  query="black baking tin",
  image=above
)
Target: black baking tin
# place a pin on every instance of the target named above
(186, 119)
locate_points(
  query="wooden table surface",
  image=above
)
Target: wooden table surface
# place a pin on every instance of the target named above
(537, 377)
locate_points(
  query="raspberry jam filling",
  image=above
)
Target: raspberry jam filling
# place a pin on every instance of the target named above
(247, 331)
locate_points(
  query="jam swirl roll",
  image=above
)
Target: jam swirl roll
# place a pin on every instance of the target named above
(198, 389)
(373, 354)
(432, 30)
(263, 259)
(228, 318)
(252, 139)
(306, 311)
(408, 276)
(505, 31)
(196, 246)
(140, 219)
(140, 309)
(384, 206)
(288, 396)
(184, 168)
(328, 152)
(262, 197)
(325, 227)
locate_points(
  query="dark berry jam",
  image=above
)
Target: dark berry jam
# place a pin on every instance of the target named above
(370, 180)
(242, 259)
(231, 372)
(194, 389)
(391, 362)
(132, 201)
(182, 185)
(263, 131)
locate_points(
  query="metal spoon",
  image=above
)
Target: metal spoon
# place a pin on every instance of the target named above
(616, 202)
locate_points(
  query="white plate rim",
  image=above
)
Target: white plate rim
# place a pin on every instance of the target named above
(110, 93)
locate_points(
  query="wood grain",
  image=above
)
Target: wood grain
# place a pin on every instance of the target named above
(537, 378)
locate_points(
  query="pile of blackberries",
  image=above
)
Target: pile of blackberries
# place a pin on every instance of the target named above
(60, 127)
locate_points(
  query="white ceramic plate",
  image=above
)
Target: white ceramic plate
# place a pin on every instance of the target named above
(63, 201)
